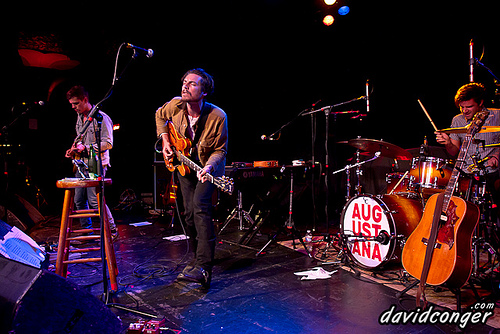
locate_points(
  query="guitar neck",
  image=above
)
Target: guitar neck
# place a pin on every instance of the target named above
(192, 165)
(459, 165)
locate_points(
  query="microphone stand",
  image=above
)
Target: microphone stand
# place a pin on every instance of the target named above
(327, 111)
(94, 114)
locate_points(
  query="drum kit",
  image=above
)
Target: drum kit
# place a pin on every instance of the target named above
(374, 228)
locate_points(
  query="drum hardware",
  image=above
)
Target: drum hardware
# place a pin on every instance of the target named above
(239, 214)
(347, 169)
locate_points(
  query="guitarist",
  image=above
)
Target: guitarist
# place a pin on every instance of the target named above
(470, 100)
(78, 98)
(206, 126)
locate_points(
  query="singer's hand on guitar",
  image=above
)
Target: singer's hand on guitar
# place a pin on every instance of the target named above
(202, 173)
(167, 149)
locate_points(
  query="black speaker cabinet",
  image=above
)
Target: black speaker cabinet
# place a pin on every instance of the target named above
(38, 301)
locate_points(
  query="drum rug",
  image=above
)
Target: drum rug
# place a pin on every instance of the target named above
(395, 277)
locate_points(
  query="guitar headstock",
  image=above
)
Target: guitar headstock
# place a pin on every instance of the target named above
(477, 122)
(224, 183)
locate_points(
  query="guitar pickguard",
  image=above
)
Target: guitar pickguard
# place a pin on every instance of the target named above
(446, 233)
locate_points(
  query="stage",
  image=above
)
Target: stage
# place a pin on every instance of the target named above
(248, 294)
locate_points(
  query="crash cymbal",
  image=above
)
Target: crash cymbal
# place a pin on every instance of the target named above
(386, 149)
(465, 128)
(492, 145)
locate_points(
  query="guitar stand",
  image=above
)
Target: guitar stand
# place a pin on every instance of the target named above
(456, 292)
(289, 225)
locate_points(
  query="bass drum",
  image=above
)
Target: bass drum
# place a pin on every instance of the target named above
(367, 216)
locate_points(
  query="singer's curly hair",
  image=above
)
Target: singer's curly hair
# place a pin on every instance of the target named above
(207, 80)
(77, 91)
(473, 90)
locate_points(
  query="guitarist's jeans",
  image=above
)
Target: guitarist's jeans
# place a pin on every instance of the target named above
(85, 197)
(197, 199)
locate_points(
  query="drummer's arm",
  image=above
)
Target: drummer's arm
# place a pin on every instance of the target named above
(452, 145)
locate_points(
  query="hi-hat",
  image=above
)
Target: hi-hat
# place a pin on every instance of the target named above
(386, 149)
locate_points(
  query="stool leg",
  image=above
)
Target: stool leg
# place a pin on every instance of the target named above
(63, 246)
(108, 247)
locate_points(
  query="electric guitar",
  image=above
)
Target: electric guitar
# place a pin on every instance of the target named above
(439, 250)
(181, 162)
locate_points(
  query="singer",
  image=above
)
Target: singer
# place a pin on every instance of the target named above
(79, 99)
(206, 125)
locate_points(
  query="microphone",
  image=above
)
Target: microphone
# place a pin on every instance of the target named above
(149, 52)
(367, 95)
(264, 137)
(28, 105)
(39, 103)
(383, 238)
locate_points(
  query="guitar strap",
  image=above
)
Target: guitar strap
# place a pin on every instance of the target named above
(431, 242)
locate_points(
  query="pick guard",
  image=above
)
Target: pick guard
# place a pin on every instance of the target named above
(446, 233)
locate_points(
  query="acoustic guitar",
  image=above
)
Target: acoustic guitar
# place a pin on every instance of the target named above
(439, 250)
(180, 160)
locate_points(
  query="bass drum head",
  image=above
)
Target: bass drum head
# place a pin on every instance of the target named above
(368, 216)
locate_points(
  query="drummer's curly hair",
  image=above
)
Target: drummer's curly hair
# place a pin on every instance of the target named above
(469, 91)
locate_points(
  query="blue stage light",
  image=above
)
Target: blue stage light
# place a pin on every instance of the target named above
(344, 10)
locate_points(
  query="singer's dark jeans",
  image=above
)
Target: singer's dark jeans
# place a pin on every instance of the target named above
(198, 208)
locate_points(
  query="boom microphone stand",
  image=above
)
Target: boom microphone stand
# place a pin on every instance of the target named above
(94, 114)
(328, 112)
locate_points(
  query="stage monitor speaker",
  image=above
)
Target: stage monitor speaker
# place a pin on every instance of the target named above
(38, 301)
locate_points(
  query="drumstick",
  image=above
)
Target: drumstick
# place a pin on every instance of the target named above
(399, 182)
(427, 114)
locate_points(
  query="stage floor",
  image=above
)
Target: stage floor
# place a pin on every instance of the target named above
(248, 294)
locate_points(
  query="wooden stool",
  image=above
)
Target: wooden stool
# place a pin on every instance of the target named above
(66, 231)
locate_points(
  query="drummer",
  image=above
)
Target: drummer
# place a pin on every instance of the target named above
(470, 100)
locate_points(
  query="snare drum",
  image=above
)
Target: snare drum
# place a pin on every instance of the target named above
(399, 184)
(430, 173)
(367, 216)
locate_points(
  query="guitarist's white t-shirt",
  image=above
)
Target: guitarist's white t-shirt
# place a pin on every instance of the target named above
(192, 123)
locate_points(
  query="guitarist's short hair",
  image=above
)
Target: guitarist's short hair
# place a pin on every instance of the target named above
(77, 91)
(473, 90)
(207, 80)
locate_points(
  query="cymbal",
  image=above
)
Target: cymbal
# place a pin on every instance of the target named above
(464, 129)
(386, 149)
(432, 151)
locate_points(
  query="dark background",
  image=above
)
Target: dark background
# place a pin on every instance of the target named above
(270, 60)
